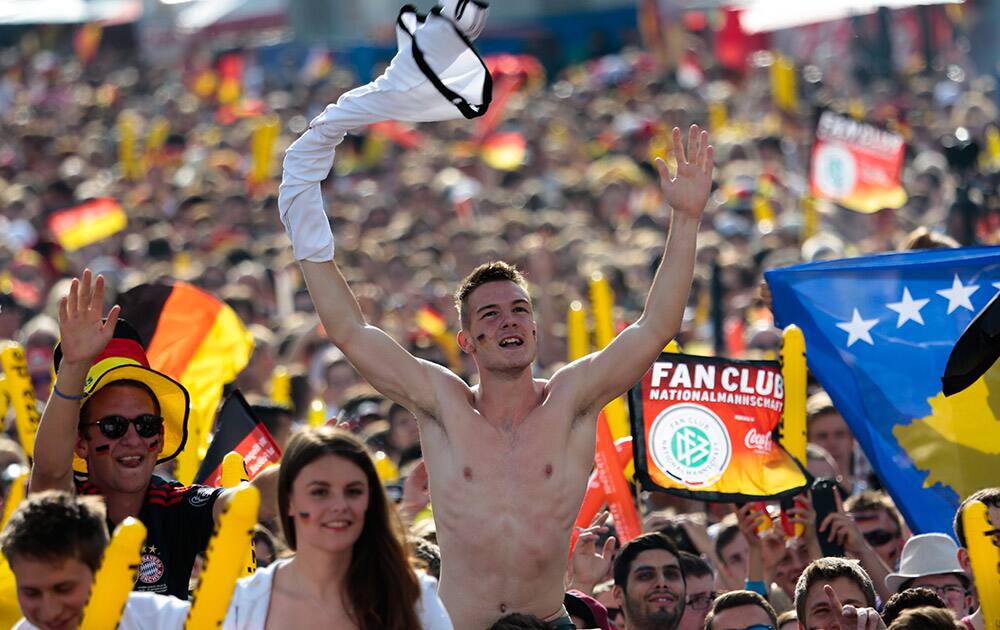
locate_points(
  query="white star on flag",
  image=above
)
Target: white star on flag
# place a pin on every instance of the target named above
(958, 295)
(908, 309)
(858, 328)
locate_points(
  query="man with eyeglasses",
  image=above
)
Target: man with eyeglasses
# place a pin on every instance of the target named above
(699, 582)
(649, 583)
(931, 561)
(109, 421)
(741, 610)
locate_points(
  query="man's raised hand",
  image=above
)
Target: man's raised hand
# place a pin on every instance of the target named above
(687, 192)
(83, 331)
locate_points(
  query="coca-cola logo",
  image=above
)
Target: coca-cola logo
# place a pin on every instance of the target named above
(758, 441)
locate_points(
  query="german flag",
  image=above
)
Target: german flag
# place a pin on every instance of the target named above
(87, 223)
(432, 324)
(195, 338)
(239, 431)
(504, 151)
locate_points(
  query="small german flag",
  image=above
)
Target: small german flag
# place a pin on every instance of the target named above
(87, 223)
(240, 431)
(430, 322)
(504, 151)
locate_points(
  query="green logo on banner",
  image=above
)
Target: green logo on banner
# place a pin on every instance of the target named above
(691, 446)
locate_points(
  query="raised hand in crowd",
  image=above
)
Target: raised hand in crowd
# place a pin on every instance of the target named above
(839, 527)
(83, 329)
(588, 566)
(687, 192)
(849, 616)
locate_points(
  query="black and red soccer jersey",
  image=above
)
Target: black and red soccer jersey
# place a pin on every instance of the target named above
(179, 523)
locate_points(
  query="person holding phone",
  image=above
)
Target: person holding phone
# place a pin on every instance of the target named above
(841, 533)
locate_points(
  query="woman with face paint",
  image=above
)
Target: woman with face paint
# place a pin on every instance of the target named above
(351, 568)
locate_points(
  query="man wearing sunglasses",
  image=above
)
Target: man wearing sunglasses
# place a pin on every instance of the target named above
(109, 421)
(880, 523)
(741, 610)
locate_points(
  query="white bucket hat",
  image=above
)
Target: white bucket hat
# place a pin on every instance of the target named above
(923, 555)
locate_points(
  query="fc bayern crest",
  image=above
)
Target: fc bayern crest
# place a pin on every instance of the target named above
(150, 569)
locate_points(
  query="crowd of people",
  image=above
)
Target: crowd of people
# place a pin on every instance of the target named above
(501, 430)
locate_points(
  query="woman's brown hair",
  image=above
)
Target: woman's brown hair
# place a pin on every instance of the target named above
(380, 586)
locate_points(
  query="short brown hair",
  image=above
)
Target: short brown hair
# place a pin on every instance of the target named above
(830, 569)
(496, 271)
(989, 496)
(926, 618)
(733, 599)
(908, 599)
(871, 501)
(54, 526)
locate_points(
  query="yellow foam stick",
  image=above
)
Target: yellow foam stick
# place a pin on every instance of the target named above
(386, 470)
(224, 560)
(793, 421)
(673, 347)
(115, 578)
(14, 497)
(10, 611)
(4, 400)
(317, 413)
(234, 472)
(21, 394)
(281, 386)
(984, 556)
(577, 337)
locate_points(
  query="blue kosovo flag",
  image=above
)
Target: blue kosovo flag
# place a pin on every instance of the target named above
(878, 333)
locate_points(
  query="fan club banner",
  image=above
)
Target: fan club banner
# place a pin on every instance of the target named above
(856, 164)
(708, 430)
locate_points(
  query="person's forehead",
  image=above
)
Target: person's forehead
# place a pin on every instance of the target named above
(847, 590)
(330, 469)
(699, 584)
(40, 572)
(654, 558)
(498, 292)
(121, 396)
(736, 545)
(740, 617)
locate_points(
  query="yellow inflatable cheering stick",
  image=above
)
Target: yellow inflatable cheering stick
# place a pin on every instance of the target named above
(21, 395)
(793, 421)
(225, 560)
(234, 472)
(984, 556)
(115, 578)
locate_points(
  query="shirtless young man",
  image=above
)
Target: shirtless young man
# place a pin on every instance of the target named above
(508, 459)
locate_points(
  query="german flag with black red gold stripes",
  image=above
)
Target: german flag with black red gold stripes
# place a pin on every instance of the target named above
(195, 338)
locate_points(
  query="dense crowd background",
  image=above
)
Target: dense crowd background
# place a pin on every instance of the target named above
(410, 223)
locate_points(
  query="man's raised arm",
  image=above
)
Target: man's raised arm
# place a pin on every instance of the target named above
(83, 334)
(600, 377)
(436, 75)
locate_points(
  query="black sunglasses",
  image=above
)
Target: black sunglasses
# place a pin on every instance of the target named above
(879, 537)
(147, 425)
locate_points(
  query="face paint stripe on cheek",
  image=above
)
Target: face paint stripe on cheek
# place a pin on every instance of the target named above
(155, 444)
(103, 449)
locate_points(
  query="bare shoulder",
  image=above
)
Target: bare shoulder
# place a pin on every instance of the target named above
(565, 386)
(449, 390)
